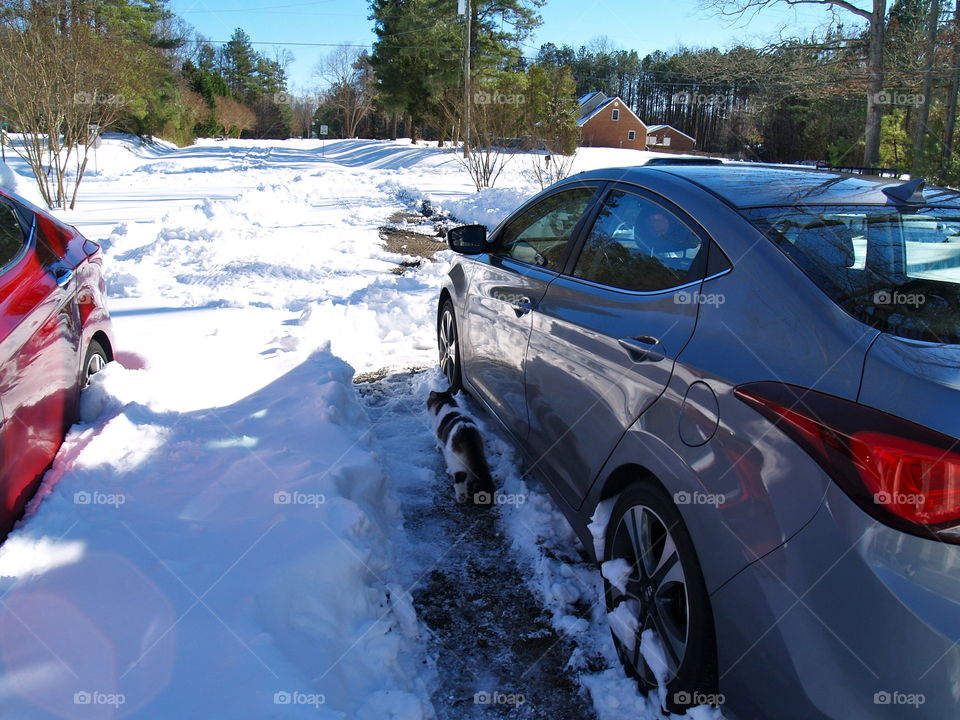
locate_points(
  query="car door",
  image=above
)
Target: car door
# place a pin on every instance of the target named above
(39, 337)
(527, 252)
(606, 334)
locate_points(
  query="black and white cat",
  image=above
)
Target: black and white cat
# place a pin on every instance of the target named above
(462, 445)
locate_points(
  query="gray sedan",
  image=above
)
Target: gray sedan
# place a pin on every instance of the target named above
(746, 377)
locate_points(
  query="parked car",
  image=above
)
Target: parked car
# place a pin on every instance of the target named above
(54, 334)
(748, 378)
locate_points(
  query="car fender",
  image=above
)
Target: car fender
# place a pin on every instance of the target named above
(643, 457)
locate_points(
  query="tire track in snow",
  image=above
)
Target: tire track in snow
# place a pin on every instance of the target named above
(489, 633)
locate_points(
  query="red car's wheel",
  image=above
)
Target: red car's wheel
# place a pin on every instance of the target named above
(94, 362)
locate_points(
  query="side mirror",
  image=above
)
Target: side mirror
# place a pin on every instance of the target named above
(468, 239)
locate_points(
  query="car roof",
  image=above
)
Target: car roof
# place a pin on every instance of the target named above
(745, 185)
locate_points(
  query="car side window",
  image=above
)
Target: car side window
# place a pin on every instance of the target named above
(636, 244)
(12, 236)
(541, 234)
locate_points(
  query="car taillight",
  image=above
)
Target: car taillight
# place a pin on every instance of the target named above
(903, 474)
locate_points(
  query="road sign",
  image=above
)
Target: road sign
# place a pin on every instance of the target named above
(324, 130)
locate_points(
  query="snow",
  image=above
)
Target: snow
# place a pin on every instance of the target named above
(21, 185)
(254, 542)
(224, 529)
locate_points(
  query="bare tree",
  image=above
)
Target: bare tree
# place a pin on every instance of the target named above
(235, 117)
(65, 80)
(303, 107)
(549, 169)
(923, 112)
(954, 88)
(874, 13)
(499, 118)
(348, 73)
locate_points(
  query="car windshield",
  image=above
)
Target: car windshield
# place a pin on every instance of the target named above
(897, 270)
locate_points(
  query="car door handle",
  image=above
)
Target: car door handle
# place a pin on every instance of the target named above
(641, 347)
(63, 275)
(521, 306)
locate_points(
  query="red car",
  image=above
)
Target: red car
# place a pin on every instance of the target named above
(54, 334)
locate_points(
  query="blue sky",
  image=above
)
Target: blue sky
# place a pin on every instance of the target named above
(639, 25)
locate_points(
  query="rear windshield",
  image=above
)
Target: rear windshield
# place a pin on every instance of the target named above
(897, 270)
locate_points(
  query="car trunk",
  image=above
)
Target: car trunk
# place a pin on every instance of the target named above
(915, 380)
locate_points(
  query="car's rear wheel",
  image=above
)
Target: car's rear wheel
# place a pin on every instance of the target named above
(94, 362)
(664, 592)
(448, 341)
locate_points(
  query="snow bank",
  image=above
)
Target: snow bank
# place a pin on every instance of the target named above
(17, 184)
(236, 561)
(490, 206)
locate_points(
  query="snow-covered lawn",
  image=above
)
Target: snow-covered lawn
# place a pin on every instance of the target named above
(223, 535)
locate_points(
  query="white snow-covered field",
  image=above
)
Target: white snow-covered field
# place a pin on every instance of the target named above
(222, 535)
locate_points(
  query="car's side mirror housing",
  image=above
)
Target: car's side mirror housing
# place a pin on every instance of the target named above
(468, 239)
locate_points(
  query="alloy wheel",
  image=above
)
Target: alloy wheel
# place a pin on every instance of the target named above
(447, 341)
(655, 591)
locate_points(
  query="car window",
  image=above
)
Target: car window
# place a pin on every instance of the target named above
(12, 237)
(542, 232)
(636, 244)
(897, 270)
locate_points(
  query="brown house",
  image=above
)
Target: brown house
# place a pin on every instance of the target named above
(666, 137)
(608, 122)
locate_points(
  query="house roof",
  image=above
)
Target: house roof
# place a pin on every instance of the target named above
(588, 110)
(655, 128)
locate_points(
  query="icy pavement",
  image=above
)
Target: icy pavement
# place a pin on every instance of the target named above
(497, 654)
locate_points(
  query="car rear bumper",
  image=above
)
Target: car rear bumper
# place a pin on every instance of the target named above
(849, 619)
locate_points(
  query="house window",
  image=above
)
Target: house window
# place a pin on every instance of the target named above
(666, 141)
(631, 135)
(616, 114)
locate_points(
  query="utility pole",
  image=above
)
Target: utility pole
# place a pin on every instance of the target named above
(463, 8)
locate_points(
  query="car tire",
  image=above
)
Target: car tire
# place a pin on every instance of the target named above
(448, 342)
(93, 363)
(665, 593)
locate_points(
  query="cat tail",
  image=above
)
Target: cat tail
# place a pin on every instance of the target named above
(481, 479)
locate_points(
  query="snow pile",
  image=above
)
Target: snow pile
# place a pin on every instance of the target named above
(490, 206)
(236, 561)
(17, 184)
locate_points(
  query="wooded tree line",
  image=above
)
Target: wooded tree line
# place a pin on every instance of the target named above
(879, 87)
